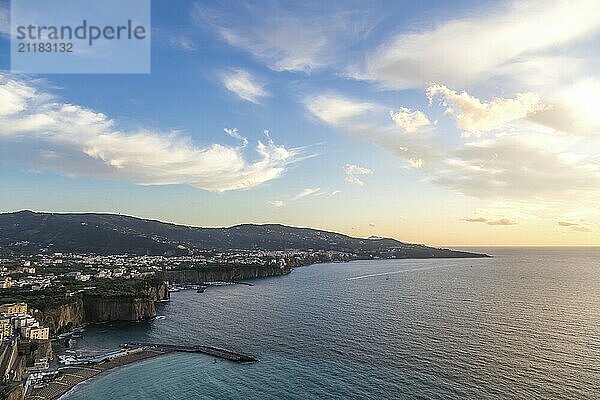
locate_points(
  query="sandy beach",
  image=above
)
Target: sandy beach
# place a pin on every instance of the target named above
(71, 376)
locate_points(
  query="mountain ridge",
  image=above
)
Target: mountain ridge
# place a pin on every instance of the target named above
(28, 231)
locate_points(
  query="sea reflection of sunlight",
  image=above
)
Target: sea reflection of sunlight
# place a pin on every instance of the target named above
(395, 272)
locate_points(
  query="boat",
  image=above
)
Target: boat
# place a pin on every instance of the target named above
(201, 289)
(160, 317)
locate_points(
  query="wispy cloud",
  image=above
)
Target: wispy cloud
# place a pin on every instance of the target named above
(498, 222)
(80, 141)
(307, 192)
(352, 171)
(574, 226)
(234, 133)
(183, 42)
(277, 203)
(305, 39)
(244, 85)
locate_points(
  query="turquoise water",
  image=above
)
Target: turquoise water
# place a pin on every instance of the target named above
(524, 324)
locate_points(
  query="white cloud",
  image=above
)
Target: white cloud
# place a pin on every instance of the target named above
(336, 109)
(533, 164)
(234, 133)
(410, 121)
(353, 170)
(415, 163)
(80, 141)
(475, 117)
(371, 122)
(277, 203)
(517, 167)
(244, 85)
(335, 192)
(573, 108)
(307, 192)
(461, 51)
(14, 96)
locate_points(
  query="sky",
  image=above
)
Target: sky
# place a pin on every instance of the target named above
(463, 123)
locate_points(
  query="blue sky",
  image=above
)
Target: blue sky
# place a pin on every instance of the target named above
(473, 123)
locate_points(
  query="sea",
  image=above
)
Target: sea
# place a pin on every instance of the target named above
(524, 324)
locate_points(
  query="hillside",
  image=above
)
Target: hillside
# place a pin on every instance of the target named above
(32, 232)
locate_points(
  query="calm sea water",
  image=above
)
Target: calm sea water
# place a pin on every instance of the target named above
(522, 325)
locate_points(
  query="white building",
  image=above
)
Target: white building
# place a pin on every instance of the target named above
(38, 333)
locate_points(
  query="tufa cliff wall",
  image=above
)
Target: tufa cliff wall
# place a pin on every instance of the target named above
(98, 308)
(125, 308)
(223, 273)
(82, 308)
(64, 317)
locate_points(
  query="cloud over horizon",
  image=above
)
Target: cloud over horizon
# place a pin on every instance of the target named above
(575, 227)
(493, 222)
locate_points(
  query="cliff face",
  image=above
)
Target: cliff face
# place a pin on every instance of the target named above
(158, 292)
(63, 318)
(87, 308)
(127, 308)
(99, 308)
(224, 274)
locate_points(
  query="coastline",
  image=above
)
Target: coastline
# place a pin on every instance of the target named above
(73, 376)
(78, 375)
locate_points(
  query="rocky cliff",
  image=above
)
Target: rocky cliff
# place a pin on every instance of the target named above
(64, 317)
(82, 308)
(136, 307)
(223, 273)
(158, 291)
(99, 308)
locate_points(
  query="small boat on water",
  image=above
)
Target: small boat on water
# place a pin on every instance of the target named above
(160, 317)
(201, 289)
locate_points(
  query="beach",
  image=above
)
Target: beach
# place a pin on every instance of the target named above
(69, 377)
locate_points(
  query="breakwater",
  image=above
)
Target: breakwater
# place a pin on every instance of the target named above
(210, 350)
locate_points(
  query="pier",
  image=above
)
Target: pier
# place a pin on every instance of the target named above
(209, 350)
(56, 383)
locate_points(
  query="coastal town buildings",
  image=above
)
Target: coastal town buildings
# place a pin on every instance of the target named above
(14, 308)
